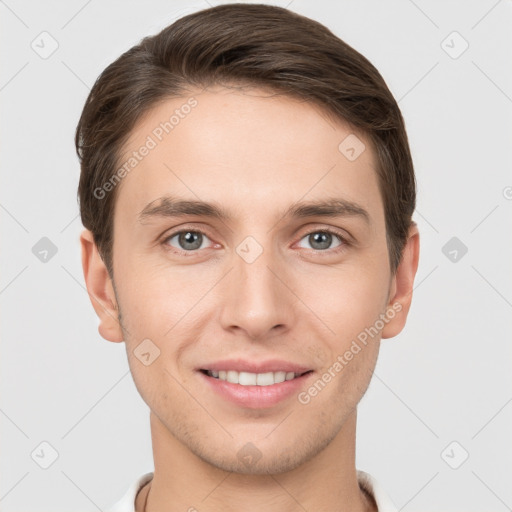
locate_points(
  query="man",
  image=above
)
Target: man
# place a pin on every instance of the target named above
(247, 191)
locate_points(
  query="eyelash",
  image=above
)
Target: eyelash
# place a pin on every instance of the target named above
(340, 248)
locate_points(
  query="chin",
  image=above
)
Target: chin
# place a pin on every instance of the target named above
(263, 456)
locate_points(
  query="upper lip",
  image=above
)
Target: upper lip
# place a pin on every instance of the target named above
(240, 365)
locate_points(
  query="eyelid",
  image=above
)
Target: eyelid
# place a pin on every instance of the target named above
(322, 228)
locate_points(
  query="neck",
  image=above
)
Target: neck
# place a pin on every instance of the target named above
(182, 481)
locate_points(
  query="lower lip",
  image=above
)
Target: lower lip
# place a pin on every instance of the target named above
(256, 397)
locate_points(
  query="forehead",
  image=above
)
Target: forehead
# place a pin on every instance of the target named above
(247, 147)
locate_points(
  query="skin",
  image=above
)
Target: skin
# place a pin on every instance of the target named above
(255, 154)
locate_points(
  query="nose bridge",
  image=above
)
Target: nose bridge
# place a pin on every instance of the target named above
(257, 300)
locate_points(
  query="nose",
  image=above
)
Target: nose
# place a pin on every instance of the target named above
(258, 297)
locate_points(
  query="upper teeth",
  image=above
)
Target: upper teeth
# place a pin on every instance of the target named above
(252, 379)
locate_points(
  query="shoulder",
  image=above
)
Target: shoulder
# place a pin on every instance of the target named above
(370, 485)
(127, 502)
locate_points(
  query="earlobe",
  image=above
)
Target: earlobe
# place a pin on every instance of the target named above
(402, 285)
(100, 289)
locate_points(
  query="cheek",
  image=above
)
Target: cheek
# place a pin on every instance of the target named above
(162, 315)
(155, 296)
(347, 299)
(158, 384)
(340, 385)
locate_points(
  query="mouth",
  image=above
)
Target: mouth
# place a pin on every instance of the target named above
(253, 379)
(254, 384)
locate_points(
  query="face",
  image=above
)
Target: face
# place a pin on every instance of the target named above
(255, 281)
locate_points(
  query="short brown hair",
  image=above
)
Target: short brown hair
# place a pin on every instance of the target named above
(248, 44)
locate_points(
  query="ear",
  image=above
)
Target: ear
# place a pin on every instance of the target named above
(100, 289)
(400, 296)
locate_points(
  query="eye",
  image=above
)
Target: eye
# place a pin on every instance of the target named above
(321, 240)
(187, 240)
(191, 240)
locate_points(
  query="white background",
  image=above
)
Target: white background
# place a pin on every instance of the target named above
(445, 378)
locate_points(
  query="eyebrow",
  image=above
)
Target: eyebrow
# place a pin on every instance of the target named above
(169, 206)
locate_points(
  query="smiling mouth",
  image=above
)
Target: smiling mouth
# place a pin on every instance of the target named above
(253, 379)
